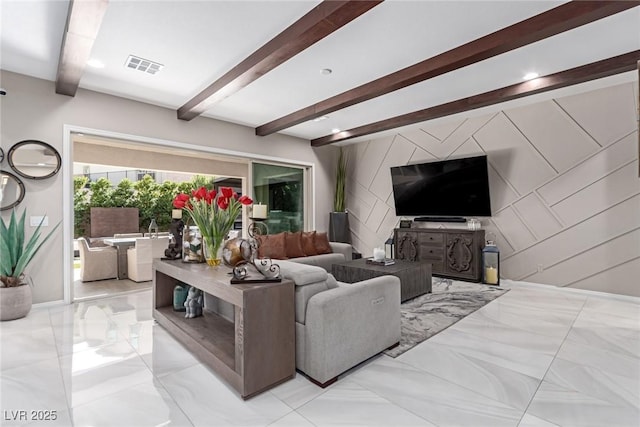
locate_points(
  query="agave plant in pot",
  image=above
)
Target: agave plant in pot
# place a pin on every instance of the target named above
(15, 290)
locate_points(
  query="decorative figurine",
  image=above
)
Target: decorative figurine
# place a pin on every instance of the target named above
(174, 251)
(194, 303)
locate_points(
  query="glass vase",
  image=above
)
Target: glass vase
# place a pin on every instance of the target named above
(212, 251)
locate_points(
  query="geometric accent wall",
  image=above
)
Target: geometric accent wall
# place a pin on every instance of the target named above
(565, 191)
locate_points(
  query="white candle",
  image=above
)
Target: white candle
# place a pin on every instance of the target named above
(176, 213)
(491, 275)
(259, 211)
(378, 254)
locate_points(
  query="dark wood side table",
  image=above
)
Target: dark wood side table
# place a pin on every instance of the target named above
(415, 277)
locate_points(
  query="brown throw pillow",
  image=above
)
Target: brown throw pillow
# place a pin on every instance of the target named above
(322, 244)
(293, 245)
(272, 246)
(307, 238)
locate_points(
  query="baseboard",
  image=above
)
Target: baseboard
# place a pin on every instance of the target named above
(586, 292)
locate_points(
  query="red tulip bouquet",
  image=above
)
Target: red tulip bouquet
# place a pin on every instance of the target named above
(214, 213)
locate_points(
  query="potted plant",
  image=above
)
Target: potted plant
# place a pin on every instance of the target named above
(338, 219)
(15, 294)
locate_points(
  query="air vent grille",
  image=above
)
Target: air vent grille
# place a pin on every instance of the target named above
(144, 65)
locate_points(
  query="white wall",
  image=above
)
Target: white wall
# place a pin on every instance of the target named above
(32, 110)
(564, 186)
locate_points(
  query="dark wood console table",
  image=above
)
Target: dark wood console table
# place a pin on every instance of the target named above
(254, 352)
(454, 253)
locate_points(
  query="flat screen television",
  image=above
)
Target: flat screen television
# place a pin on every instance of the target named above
(447, 188)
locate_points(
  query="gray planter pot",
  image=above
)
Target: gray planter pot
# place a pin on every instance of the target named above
(339, 227)
(15, 302)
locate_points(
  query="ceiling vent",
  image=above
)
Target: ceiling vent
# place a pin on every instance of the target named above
(143, 65)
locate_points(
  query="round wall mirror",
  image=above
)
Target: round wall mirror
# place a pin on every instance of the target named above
(34, 159)
(11, 190)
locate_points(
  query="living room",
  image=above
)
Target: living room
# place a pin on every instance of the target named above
(565, 195)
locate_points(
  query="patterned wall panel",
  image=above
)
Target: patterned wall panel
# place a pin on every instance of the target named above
(443, 130)
(513, 228)
(359, 201)
(399, 154)
(368, 165)
(469, 148)
(423, 140)
(591, 170)
(616, 104)
(462, 134)
(378, 213)
(615, 221)
(565, 197)
(420, 156)
(599, 258)
(501, 193)
(600, 195)
(614, 280)
(512, 155)
(541, 220)
(547, 127)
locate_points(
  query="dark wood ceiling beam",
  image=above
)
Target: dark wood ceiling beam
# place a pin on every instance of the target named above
(595, 70)
(555, 21)
(321, 21)
(83, 23)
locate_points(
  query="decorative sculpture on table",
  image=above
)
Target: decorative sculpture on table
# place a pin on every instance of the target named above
(174, 251)
(248, 252)
(194, 303)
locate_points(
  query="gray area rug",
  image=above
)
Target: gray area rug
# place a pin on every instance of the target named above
(428, 314)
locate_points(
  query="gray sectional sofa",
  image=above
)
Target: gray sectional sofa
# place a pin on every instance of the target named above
(341, 252)
(339, 325)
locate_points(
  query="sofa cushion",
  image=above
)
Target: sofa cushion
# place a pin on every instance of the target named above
(309, 280)
(322, 244)
(324, 261)
(272, 246)
(331, 282)
(293, 244)
(302, 274)
(307, 239)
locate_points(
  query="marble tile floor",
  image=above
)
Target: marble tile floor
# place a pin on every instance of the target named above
(104, 288)
(536, 356)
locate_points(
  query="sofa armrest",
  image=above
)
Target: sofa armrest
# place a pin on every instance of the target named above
(342, 248)
(349, 324)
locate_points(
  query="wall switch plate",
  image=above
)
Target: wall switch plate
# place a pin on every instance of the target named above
(34, 221)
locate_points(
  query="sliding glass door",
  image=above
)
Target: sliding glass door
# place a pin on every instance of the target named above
(282, 190)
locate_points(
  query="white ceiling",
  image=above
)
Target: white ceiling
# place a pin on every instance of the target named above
(199, 41)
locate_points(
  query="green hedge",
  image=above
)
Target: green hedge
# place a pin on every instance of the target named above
(152, 199)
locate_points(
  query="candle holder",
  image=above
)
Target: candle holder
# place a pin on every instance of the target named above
(491, 263)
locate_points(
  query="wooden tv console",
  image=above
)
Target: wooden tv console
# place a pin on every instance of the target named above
(454, 253)
(254, 352)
